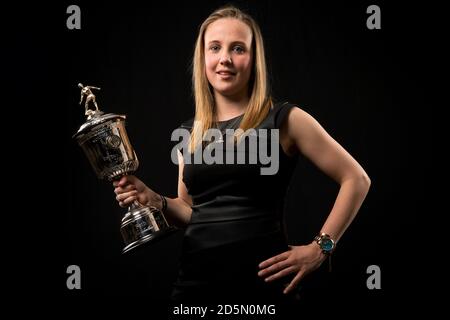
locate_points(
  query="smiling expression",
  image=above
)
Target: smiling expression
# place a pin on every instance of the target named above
(228, 56)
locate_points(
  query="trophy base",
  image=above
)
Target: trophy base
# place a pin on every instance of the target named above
(141, 225)
(148, 238)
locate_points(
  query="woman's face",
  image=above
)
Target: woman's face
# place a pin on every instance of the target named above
(228, 56)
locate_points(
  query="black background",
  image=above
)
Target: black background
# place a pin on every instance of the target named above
(366, 87)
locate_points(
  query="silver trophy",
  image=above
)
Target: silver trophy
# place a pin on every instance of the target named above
(105, 142)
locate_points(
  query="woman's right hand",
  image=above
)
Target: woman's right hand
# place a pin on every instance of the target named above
(129, 188)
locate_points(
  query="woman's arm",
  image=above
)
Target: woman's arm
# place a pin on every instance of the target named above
(178, 211)
(302, 133)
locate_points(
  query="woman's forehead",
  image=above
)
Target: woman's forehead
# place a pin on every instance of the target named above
(228, 29)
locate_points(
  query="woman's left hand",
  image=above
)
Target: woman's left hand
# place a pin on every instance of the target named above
(299, 259)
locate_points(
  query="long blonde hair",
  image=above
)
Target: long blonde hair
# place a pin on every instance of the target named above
(260, 101)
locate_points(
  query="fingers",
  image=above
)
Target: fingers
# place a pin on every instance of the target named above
(123, 185)
(293, 284)
(284, 272)
(126, 198)
(125, 195)
(273, 260)
(128, 179)
(127, 188)
(127, 202)
(282, 265)
(274, 268)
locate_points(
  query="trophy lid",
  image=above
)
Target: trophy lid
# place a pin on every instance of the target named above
(96, 119)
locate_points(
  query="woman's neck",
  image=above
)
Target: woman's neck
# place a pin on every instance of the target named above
(229, 107)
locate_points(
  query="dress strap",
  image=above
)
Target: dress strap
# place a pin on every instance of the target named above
(280, 112)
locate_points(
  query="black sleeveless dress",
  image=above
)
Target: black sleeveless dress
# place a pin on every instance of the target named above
(236, 224)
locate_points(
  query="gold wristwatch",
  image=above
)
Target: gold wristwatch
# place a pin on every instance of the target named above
(326, 243)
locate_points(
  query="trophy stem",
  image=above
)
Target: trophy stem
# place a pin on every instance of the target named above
(135, 205)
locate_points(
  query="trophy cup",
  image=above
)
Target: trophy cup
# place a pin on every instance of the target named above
(105, 142)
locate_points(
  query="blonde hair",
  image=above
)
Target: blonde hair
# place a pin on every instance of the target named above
(260, 101)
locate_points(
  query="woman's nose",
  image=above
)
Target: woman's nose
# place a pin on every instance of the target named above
(226, 59)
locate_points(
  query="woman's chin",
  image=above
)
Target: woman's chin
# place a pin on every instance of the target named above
(227, 91)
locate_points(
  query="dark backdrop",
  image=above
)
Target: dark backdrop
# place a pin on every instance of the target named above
(364, 86)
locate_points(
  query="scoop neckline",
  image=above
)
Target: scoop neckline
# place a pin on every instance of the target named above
(231, 119)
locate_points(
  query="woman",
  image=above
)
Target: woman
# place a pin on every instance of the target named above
(234, 246)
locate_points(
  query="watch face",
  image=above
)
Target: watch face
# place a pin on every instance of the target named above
(327, 244)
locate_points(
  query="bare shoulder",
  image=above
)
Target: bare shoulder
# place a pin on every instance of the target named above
(299, 121)
(296, 115)
(291, 120)
(297, 128)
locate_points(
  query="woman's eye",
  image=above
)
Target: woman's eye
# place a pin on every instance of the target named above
(238, 49)
(214, 48)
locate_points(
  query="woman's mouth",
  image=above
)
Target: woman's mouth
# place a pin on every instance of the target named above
(226, 74)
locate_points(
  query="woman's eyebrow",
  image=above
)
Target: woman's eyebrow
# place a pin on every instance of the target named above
(239, 42)
(232, 43)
